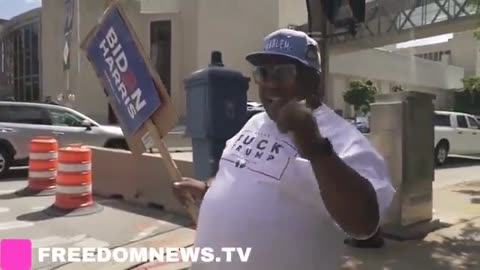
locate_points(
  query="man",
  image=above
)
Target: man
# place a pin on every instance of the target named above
(294, 178)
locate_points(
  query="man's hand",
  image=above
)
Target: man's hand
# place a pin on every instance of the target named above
(295, 118)
(190, 186)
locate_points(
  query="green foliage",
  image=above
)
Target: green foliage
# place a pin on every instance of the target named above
(468, 101)
(360, 94)
(475, 4)
(471, 83)
(476, 33)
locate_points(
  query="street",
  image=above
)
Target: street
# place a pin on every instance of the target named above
(120, 223)
(117, 224)
(457, 170)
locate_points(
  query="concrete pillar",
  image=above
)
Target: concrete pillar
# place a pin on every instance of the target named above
(402, 130)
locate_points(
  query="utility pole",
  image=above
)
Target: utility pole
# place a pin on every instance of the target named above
(325, 56)
(318, 22)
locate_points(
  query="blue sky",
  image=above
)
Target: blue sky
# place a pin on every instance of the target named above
(11, 8)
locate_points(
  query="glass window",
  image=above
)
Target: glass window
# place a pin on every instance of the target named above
(28, 115)
(20, 53)
(5, 114)
(161, 50)
(442, 120)
(473, 123)
(462, 121)
(64, 118)
(35, 89)
(21, 90)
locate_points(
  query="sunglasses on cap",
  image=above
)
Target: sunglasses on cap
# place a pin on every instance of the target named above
(280, 73)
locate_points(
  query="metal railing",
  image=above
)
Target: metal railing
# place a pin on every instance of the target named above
(390, 17)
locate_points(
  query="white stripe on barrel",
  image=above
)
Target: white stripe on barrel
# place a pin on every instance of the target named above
(69, 168)
(42, 174)
(74, 189)
(43, 156)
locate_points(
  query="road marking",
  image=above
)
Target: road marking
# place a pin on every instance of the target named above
(15, 225)
(39, 208)
(4, 210)
(81, 240)
(92, 243)
(106, 201)
(56, 240)
(146, 232)
(7, 191)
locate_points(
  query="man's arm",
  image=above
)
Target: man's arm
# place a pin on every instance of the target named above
(350, 198)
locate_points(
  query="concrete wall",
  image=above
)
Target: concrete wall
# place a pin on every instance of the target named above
(292, 12)
(464, 51)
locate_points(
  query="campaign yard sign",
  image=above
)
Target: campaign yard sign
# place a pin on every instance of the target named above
(119, 63)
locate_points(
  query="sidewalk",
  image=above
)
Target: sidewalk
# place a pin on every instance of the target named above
(454, 247)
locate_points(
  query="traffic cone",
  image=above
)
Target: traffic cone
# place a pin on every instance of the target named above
(42, 167)
(74, 183)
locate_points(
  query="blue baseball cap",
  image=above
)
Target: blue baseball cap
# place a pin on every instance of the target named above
(291, 44)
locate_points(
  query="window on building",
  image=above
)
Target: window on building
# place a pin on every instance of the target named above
(22, 66)
(5, 115)
(462, 121)
(161, 50)
(2, 57)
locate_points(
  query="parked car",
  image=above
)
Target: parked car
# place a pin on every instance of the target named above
(21, 121)
(455, 134)
(361, 123)
(254, 108)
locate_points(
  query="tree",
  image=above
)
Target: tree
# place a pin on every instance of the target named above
(475, 4)
(360, 94)
(468, 100)
(471, 83)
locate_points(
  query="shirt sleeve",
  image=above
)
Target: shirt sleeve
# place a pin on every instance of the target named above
(365, 160)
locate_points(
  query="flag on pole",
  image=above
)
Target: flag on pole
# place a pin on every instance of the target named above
(69, 13)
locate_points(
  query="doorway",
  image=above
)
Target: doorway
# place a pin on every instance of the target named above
(161, 50)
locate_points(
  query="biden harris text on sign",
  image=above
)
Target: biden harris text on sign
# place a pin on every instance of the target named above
(124, 72)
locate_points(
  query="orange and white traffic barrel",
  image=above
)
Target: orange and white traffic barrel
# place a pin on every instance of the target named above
(74, 182)
(42, 167)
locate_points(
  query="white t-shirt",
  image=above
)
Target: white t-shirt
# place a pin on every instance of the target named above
(266, 197)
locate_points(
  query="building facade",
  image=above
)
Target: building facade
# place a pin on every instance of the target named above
(179, 36)
(462, 50)
(20, 46)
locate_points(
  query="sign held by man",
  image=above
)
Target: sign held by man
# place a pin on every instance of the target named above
(134, 89)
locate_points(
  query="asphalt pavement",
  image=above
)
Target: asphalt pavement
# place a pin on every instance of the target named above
(119, 223)
(116, 224)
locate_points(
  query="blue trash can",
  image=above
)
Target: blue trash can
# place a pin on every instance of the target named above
(216, 111)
